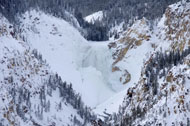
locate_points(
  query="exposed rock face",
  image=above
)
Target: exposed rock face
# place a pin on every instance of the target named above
(134, 37)
(177, 26)
(161, 96)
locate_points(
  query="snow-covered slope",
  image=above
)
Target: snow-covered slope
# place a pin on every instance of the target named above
(30, 93)
(70, 55)
(161, 95)
(144, 74)
(130, 51)
(97, 16)
(128, 56)
(88, 66)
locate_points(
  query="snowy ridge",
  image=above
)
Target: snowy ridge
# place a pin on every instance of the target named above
(97, 16)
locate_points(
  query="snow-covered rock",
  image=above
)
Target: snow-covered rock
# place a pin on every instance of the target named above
(97, 16)
(161, 95)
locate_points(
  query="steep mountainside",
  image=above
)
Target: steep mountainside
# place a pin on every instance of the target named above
(50, 74)
(130, 51)
(30, 93)
(161, 96)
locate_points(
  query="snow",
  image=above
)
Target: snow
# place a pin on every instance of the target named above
(56, 114)
(71, 56)
(133, 63)
(175, 112)
(16, 50)
(111, 105)
(116, 29)
(87, 65)
(94, 17)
